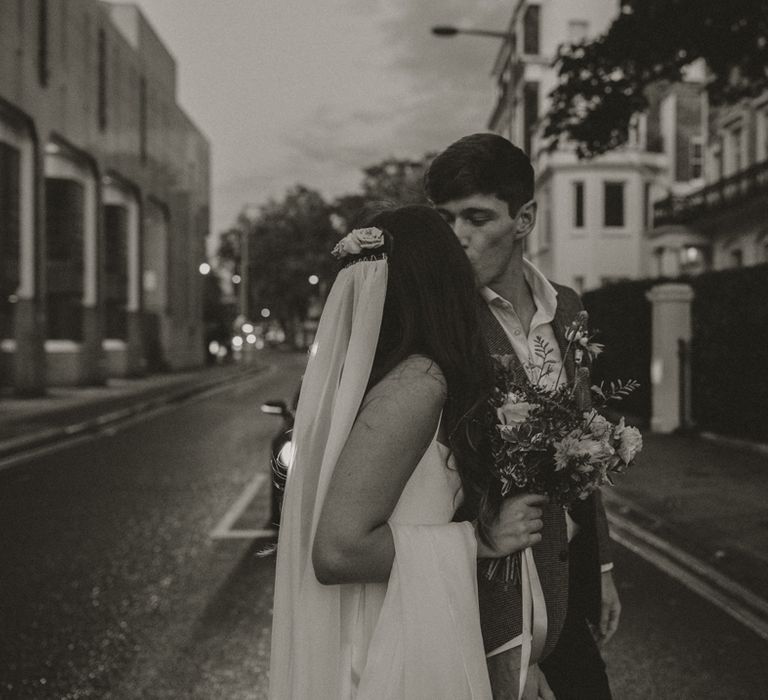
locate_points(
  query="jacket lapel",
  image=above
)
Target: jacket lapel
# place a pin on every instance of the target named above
(498, 342)
(559, 323)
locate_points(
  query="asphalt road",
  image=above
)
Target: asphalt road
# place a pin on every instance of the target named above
(111, 585)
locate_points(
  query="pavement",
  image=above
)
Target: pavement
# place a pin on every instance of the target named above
(64, 413)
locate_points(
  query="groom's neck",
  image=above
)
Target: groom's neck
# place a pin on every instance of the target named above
(511, 284)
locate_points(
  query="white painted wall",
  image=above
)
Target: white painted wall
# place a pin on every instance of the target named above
(23, 143)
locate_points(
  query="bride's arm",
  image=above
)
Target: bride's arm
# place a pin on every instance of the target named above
(394, 427)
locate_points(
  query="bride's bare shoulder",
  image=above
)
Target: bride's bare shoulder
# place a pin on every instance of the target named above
(417, 380)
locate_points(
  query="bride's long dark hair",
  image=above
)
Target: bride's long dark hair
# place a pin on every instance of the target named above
(432, 308)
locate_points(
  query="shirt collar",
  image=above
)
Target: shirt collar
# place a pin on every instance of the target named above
(544, 294)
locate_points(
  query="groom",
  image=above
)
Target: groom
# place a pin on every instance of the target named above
(483, 186)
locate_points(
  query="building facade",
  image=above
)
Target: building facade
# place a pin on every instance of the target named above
(593, 214)
(723, 223)
(104, 198)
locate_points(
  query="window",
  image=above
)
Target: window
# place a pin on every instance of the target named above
(736, 158)
(578, 205)
(115, 270)
(545, 228)
(696, 157)
(578, 30)
(737, 257)
(143, 120)
(530, 114)
(612, 279)
(646, 205)
(694, 259)
(531, 29)
(64, 28)
(64, 217)
(43, 72)
(10, 203)
(613, 204)
(762, 135)
(717, 160)
(102, 80)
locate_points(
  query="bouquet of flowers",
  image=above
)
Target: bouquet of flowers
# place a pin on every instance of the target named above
(549, 437)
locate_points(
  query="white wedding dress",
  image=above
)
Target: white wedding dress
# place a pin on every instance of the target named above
(418, 636)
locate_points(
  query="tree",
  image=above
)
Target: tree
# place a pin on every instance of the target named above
(290, 240)
(392, 182)
(604, 83)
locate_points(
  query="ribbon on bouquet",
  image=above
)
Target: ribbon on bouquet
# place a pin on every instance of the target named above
(534, 616)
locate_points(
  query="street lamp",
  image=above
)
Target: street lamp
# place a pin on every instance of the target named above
(447, 30)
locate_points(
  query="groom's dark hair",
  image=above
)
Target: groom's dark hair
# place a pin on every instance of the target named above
(481, 164)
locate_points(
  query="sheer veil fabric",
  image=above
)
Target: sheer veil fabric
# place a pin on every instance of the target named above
(418, 636)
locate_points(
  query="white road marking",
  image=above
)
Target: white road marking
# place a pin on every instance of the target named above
(224, 531)
(732, 598)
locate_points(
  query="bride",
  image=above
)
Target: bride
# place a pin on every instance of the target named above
(375, 590)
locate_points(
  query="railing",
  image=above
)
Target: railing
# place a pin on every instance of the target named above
(721, 194)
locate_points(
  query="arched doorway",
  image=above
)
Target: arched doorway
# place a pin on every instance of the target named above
(155, 283)
(71, 300)
(123, 338)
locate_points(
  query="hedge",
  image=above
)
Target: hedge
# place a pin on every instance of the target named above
(730, 352)
(621, 316)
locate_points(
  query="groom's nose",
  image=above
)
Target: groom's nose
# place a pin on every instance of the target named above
(461, 229)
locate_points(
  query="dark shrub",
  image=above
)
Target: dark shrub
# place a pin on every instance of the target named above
(730, 352)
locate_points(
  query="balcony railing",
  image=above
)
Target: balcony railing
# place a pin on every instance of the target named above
(724, 193)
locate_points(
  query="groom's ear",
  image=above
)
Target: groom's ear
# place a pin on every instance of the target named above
(525, 219)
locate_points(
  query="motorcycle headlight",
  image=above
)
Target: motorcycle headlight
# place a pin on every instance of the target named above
(285, 456)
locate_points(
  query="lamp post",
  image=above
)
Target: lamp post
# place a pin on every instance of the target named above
(446, 30)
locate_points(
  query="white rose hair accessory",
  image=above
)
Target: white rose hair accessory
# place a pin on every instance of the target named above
(355, 242)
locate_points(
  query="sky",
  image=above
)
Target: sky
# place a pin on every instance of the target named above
(312, 91)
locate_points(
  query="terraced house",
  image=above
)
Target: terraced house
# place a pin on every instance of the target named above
(104, 198)
(724, 223)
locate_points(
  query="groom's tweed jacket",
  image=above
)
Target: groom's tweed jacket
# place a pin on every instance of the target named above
(500, 603)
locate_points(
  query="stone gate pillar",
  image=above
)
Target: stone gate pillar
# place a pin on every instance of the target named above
(670, 323)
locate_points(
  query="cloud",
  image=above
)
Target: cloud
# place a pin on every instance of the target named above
(312, 92)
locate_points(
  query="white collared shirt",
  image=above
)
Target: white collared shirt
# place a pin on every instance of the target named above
(524, 345)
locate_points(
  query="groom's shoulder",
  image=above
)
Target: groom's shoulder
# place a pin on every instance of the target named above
(567, 296)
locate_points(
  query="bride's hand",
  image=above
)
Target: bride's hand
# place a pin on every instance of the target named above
(517, 526)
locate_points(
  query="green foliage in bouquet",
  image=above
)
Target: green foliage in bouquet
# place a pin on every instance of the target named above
(549, 436)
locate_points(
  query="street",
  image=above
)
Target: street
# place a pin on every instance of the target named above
(112, 585)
